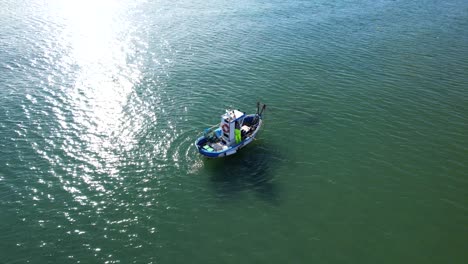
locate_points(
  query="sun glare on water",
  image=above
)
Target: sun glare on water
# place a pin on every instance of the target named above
(98, 42)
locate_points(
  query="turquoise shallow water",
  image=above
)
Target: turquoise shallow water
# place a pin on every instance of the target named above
(362, 158)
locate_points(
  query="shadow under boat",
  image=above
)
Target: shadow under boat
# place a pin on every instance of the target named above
(250, 169)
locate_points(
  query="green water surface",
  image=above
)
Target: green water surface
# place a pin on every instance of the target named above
(362, 159)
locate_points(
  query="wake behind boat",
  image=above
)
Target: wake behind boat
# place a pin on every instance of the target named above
(235, 131)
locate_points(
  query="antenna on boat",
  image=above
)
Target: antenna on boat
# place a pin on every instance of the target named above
(263, 109)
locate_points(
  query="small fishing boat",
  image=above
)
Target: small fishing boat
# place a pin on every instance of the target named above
(235, 131)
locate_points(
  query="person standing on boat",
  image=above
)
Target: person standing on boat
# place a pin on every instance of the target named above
(237, 133)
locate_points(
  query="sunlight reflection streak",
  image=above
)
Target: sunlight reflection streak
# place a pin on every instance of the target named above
(99, 41)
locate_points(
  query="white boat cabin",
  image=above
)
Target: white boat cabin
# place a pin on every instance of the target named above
(231, 120)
